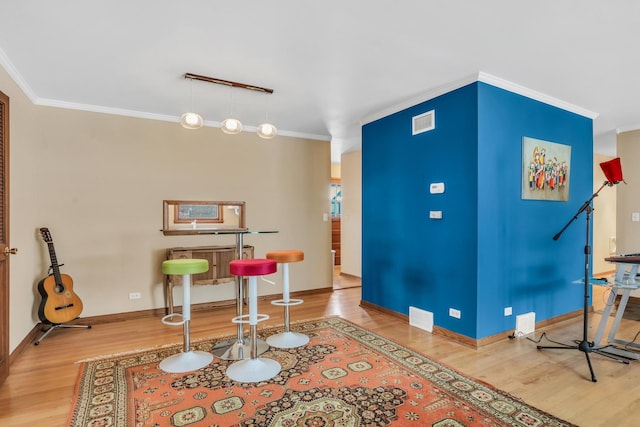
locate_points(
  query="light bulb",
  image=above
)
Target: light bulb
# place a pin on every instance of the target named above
(231, 126)
(191, 121)
(267, 131)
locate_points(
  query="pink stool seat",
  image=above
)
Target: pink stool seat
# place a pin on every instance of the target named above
(252, 267)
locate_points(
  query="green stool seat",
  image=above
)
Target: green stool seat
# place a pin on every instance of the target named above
(185, 266)
(187, 360)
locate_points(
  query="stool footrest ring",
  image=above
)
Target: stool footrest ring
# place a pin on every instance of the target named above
(167, 319)
(284, 303)
(245, 318)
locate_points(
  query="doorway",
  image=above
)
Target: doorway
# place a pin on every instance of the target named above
(335, 196)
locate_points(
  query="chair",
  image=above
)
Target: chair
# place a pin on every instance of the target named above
(187, 360)
(255, 368)
(286, 339)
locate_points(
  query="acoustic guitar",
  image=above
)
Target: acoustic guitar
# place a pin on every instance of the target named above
(59, 303)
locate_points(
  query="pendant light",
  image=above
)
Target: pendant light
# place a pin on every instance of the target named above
(191, 120)
(267, 130)
(231, 125)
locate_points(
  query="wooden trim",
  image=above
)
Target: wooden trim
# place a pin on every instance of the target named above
(368, 305)
(460, 339)
(31, 337)
(37, 330)
(159, 312)
(5, 241)
(467, 341)
(632, 300)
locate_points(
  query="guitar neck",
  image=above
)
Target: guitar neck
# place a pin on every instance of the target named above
(54, 263)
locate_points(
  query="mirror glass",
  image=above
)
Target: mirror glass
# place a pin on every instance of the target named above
(195, 216)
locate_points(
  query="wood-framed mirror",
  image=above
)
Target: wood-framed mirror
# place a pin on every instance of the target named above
(200, 216)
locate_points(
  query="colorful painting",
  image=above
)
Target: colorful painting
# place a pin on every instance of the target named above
(545, 170)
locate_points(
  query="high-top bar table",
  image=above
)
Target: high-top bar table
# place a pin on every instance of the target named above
(240, 347)
(624, 280)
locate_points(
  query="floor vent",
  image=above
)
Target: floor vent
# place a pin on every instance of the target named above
(424, 122)
(525, 324)
(421, 319)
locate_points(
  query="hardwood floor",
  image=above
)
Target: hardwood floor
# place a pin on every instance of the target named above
(41, 383)
(344, 281)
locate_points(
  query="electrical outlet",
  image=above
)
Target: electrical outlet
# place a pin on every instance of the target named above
(135, 295)
(455, 313)
(508, 311)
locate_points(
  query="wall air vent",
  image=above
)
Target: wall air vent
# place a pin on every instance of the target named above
(423, 122)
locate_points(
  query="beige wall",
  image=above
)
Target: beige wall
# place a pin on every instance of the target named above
(628, 232)
(335, 170)
(351, 222)
(604, 219)
(97, 181)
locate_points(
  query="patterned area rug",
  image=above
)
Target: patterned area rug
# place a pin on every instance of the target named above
(345, 376)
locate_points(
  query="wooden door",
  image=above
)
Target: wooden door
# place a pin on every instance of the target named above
(335, 239)
(4, 236)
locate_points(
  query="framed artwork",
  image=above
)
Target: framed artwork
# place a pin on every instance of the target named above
(546, 168)
(202, 216)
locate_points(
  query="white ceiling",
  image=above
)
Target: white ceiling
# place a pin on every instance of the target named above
(331, 63)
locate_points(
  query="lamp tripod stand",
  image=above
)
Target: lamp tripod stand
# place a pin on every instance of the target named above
(584, 345)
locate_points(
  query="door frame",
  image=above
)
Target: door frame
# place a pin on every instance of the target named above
(4, 237)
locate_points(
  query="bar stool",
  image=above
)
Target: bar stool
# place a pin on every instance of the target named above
(286, 339)
(187, 360)
(255, 368)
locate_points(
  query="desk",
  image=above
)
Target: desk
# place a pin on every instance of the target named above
(238, 348)
(624, 280)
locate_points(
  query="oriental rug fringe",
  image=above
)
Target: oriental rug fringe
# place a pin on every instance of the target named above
(346, 376)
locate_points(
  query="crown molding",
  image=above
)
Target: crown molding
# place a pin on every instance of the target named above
(484, 78)
(22, 84)
(16, 76)
(538, 96)
(160, 117)
(423, 97)
(627, 128)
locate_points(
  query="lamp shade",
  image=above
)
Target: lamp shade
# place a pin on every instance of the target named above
(191, 121)
(267, 131)
(231, 126)
(612, 170)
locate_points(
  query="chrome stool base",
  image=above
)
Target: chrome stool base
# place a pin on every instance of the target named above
(186, 361)
(253, 370)
(288, 340)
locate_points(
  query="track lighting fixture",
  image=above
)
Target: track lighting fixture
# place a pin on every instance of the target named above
(230, 125)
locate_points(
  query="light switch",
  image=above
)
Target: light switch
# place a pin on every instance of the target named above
(635, 216)
(436, 188)
(435, 214)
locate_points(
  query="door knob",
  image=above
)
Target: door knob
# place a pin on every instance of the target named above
(12, 251)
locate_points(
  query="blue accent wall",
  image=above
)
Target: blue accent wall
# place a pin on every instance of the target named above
(492, 249)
